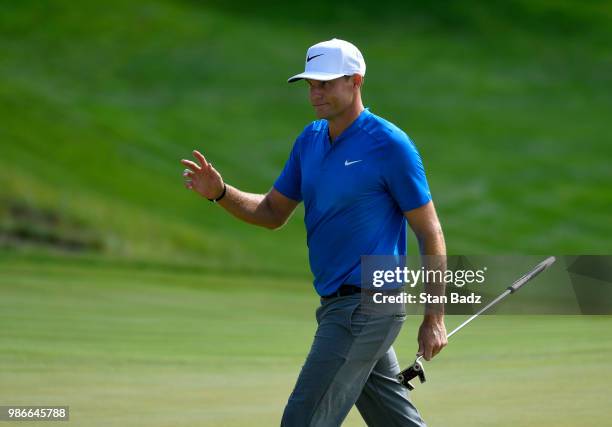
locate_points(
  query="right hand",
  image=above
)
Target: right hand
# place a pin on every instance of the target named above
(203, 178)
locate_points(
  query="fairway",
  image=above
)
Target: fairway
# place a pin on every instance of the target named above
(157, 348)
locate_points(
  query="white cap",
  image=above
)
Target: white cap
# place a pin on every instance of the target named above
(331, 59)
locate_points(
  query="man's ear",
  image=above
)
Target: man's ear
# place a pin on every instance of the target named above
(357, 80)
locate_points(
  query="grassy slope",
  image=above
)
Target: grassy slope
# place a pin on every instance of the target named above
(123, 347)
(508, 105)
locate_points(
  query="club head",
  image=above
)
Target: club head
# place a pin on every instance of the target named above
(413, 371)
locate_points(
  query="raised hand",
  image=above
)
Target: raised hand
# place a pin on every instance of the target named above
(202, 177)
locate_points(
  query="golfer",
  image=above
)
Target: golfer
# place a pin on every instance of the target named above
(361, 180)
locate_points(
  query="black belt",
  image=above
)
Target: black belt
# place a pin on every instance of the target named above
(343, 291)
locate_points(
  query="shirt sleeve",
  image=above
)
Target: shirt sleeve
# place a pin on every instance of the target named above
(289, 182)
(404, 175)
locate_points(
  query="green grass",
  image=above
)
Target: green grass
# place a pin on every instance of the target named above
(123, 346)
(137, 303)
(508, 103)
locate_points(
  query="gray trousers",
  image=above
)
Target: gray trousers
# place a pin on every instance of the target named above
(351, 361)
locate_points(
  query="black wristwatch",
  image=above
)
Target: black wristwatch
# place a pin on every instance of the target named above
(221, 196)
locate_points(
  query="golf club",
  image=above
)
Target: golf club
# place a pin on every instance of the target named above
(417, 370)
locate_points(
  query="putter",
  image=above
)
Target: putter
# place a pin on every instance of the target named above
(417, 370)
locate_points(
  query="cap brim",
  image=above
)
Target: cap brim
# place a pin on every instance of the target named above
(314, 76)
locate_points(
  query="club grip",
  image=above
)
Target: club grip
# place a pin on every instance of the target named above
(533, 273)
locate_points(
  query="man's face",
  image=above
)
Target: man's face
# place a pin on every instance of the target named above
(331, 98)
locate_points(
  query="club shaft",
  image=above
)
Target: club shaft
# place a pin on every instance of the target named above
(511, 289)
(482, 310)
(474, 316)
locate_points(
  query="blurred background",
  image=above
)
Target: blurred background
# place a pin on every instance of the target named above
(123, 294)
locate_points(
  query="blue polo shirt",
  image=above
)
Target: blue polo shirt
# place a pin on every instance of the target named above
(355, 192)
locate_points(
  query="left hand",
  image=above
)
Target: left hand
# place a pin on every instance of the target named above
(432, 337)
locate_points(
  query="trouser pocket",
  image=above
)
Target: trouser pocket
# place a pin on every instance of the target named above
(358, 319)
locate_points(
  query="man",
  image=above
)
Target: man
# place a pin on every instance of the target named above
(361, 180)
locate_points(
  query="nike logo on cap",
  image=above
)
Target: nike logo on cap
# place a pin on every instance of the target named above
(347, 163)
(313, 57)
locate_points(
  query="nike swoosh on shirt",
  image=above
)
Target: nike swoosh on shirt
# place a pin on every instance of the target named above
(313, 57)
(347, 163)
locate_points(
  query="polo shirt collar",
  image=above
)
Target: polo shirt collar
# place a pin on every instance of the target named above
(353, 127)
